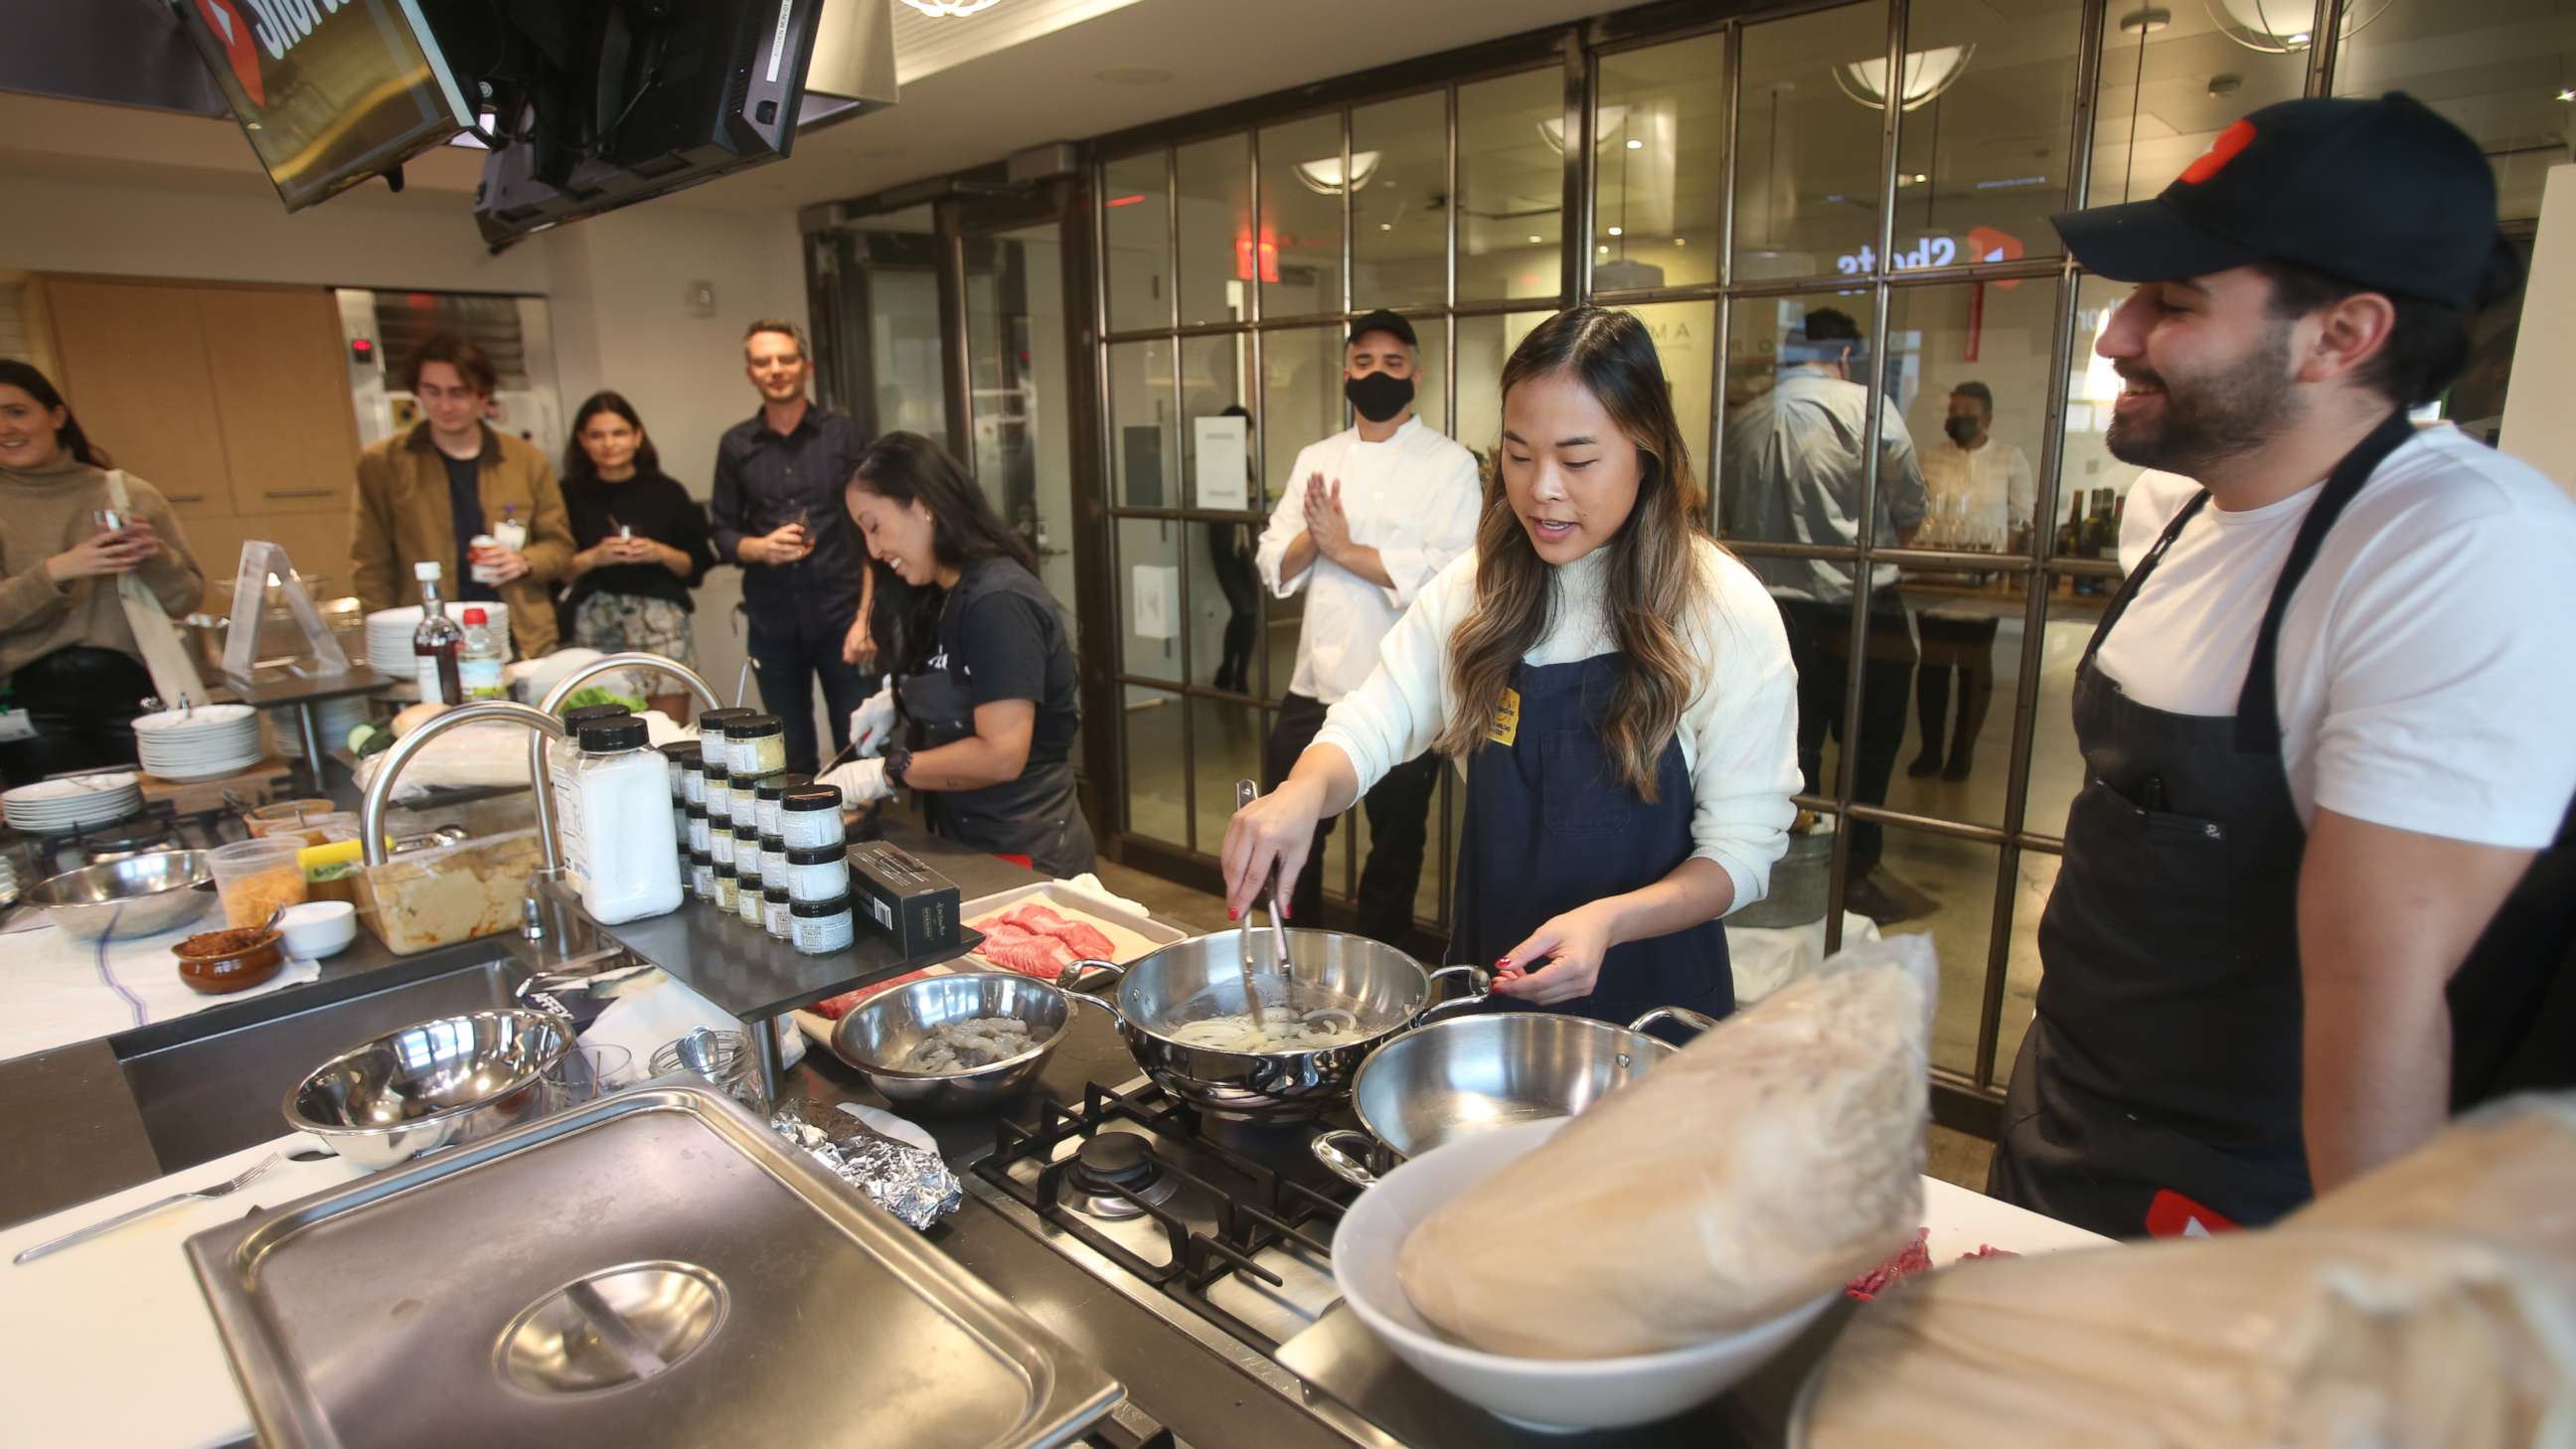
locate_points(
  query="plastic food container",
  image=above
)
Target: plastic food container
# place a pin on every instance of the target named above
(819, 926)
(817, 875)
(255, 877)
(430, 898)
(283, 813)
(809, 818)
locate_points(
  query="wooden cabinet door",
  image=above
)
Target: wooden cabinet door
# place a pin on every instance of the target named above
(134, 371)
(290, 430)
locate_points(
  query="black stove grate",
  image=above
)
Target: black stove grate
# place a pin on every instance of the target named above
(1258, 1209)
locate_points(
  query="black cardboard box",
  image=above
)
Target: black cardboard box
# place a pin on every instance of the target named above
(895, 894)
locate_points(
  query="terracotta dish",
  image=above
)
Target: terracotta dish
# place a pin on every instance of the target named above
(216, 962)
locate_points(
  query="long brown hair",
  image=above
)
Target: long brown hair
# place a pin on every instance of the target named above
(1654, 579)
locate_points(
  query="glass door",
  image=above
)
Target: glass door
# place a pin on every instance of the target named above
(1020, 391)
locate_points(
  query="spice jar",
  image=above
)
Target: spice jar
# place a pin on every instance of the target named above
(773, 911)
(702, 875)
(819, 926)
(699, 831)
(746, 858)
(728, 890)
(682, 756)
(693, 784)
(723, 841)
(773, 861)
(746, 899)
(809, 818)
(756, 745)
(746, 804)
(719, 793)
(818, 875)
(766, 795)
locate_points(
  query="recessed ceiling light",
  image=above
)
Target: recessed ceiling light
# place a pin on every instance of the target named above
(1132, 75)
(1636, 145)
(1534, 238)
(1680, 241)
(2567, 93)
(1614, 231)
(1386, 226)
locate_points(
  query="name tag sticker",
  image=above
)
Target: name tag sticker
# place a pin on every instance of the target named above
(1507, 719)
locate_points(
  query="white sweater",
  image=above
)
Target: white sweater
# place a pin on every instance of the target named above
(1739, 733)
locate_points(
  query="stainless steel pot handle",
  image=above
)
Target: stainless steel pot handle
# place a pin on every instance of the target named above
(1077, 981)
(1696, 1021)
(1477, 977)
(1335, 1150)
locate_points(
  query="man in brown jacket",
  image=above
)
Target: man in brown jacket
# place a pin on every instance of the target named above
(429, 492)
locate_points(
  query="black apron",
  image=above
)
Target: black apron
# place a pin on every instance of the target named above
(2158, 1089)
(1550, 827)
(1035, 815)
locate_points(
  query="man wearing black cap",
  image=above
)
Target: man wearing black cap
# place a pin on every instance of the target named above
(2324, 723)
(1369, 515)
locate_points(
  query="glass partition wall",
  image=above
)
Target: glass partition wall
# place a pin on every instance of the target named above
(1864, 186)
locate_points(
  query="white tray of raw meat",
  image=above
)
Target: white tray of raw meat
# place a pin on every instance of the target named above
(1130, 934)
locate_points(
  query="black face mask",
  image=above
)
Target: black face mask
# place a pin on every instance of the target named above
(1962, 431)
(1379, 396)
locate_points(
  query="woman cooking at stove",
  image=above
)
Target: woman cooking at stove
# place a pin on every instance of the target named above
(1617, 686)
(984, 676)
(65, 646)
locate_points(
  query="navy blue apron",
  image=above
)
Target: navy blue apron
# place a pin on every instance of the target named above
(1550, 827)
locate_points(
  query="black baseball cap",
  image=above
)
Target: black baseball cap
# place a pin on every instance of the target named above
(2383, 193)
(1383, 320)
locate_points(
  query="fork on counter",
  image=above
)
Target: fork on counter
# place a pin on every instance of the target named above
(131, 1215)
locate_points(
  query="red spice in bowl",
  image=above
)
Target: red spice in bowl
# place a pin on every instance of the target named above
(216, 962)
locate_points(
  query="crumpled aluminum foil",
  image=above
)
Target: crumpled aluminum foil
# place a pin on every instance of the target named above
(912, 1184)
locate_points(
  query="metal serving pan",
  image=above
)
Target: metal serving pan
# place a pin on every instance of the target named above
(656, 1268)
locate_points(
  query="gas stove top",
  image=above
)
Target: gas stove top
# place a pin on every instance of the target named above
(1225, 1232)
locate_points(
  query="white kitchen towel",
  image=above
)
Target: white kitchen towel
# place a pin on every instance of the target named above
(97, 1312)
(56, 989)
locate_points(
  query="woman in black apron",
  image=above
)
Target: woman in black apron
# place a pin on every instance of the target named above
(1618, 687)
(984, 667)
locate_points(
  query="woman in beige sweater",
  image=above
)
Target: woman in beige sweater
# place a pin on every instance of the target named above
(65, 647)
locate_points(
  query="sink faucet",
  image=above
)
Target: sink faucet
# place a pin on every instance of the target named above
(541, 774)
(371, 813)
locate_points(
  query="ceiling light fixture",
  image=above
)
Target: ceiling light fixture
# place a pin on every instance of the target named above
(2567, 93)
(1680, 242)
(1605, 124)
(1386, 226)
(2278, 27)
(950, 9)
(1636, 145)
(1614, 231)
(1324, 177)
(1534, 238)
(2146, 22)
(1927, 74)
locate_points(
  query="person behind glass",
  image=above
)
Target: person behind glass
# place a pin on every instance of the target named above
(1370, 514)
(1792, 474)
(2316, 890)
(984, 693)
(644, 544)
(1982, 485)
(429, 492)
(1617, 685)
(66, 647)
(806, 589)
(1238, 575)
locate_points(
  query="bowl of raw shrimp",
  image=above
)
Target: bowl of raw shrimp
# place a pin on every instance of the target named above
(954, 1043)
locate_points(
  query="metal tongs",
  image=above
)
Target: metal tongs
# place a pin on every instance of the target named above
(1245, 792)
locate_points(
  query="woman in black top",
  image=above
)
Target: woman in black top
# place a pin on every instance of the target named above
(644, 542)
(983, 667)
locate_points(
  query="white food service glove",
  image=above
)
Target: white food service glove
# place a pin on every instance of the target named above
(872, 724)
(861, 782)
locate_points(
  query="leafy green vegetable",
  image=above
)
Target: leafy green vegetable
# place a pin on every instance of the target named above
(589, 695)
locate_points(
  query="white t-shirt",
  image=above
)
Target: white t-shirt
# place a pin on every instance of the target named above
(2427, 668)
(1738, 733)
(1414, 498)
(1993, 482)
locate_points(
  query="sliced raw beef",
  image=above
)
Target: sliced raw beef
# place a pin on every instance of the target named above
(1086, 939)
(1916, 1258)
(1014, 948)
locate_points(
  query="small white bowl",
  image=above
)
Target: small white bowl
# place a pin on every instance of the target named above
(1560, 1395)
(317, 929)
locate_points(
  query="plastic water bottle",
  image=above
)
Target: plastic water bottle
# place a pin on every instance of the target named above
(479, 661)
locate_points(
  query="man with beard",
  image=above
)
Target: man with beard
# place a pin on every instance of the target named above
(1368, 516)
(2324, 722)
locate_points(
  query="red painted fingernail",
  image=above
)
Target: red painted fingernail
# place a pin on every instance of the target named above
(1232, 914)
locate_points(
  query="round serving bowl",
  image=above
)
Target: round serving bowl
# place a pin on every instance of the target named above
(118, 900)
(884, 1030)
(317, 929)
(432, 1084)
(1559, 1395)
(217, 962)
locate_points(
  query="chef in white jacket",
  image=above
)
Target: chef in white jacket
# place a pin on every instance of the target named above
(1369, 515)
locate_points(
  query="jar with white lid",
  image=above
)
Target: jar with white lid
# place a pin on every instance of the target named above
(817, 875)
(809, 818)
(819, 926)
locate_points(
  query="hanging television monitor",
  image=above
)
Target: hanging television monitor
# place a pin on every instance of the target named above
(329, 94)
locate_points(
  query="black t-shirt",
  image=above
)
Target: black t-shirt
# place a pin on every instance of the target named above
(465, 505)
(656, 508)
(1007, 640)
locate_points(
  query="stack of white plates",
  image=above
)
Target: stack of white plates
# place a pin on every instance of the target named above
(389, 633)
(75, 802)
(336, 718)
(8, 882)
(205, 743)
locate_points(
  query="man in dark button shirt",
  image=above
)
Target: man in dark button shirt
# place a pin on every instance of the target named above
(777, 512)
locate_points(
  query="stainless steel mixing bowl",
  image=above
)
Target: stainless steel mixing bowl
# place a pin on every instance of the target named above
(431, 1084)
(882, 1032)
(1477, 1073)
(142, 895)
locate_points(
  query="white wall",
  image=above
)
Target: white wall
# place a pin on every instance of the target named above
(2539, 426)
